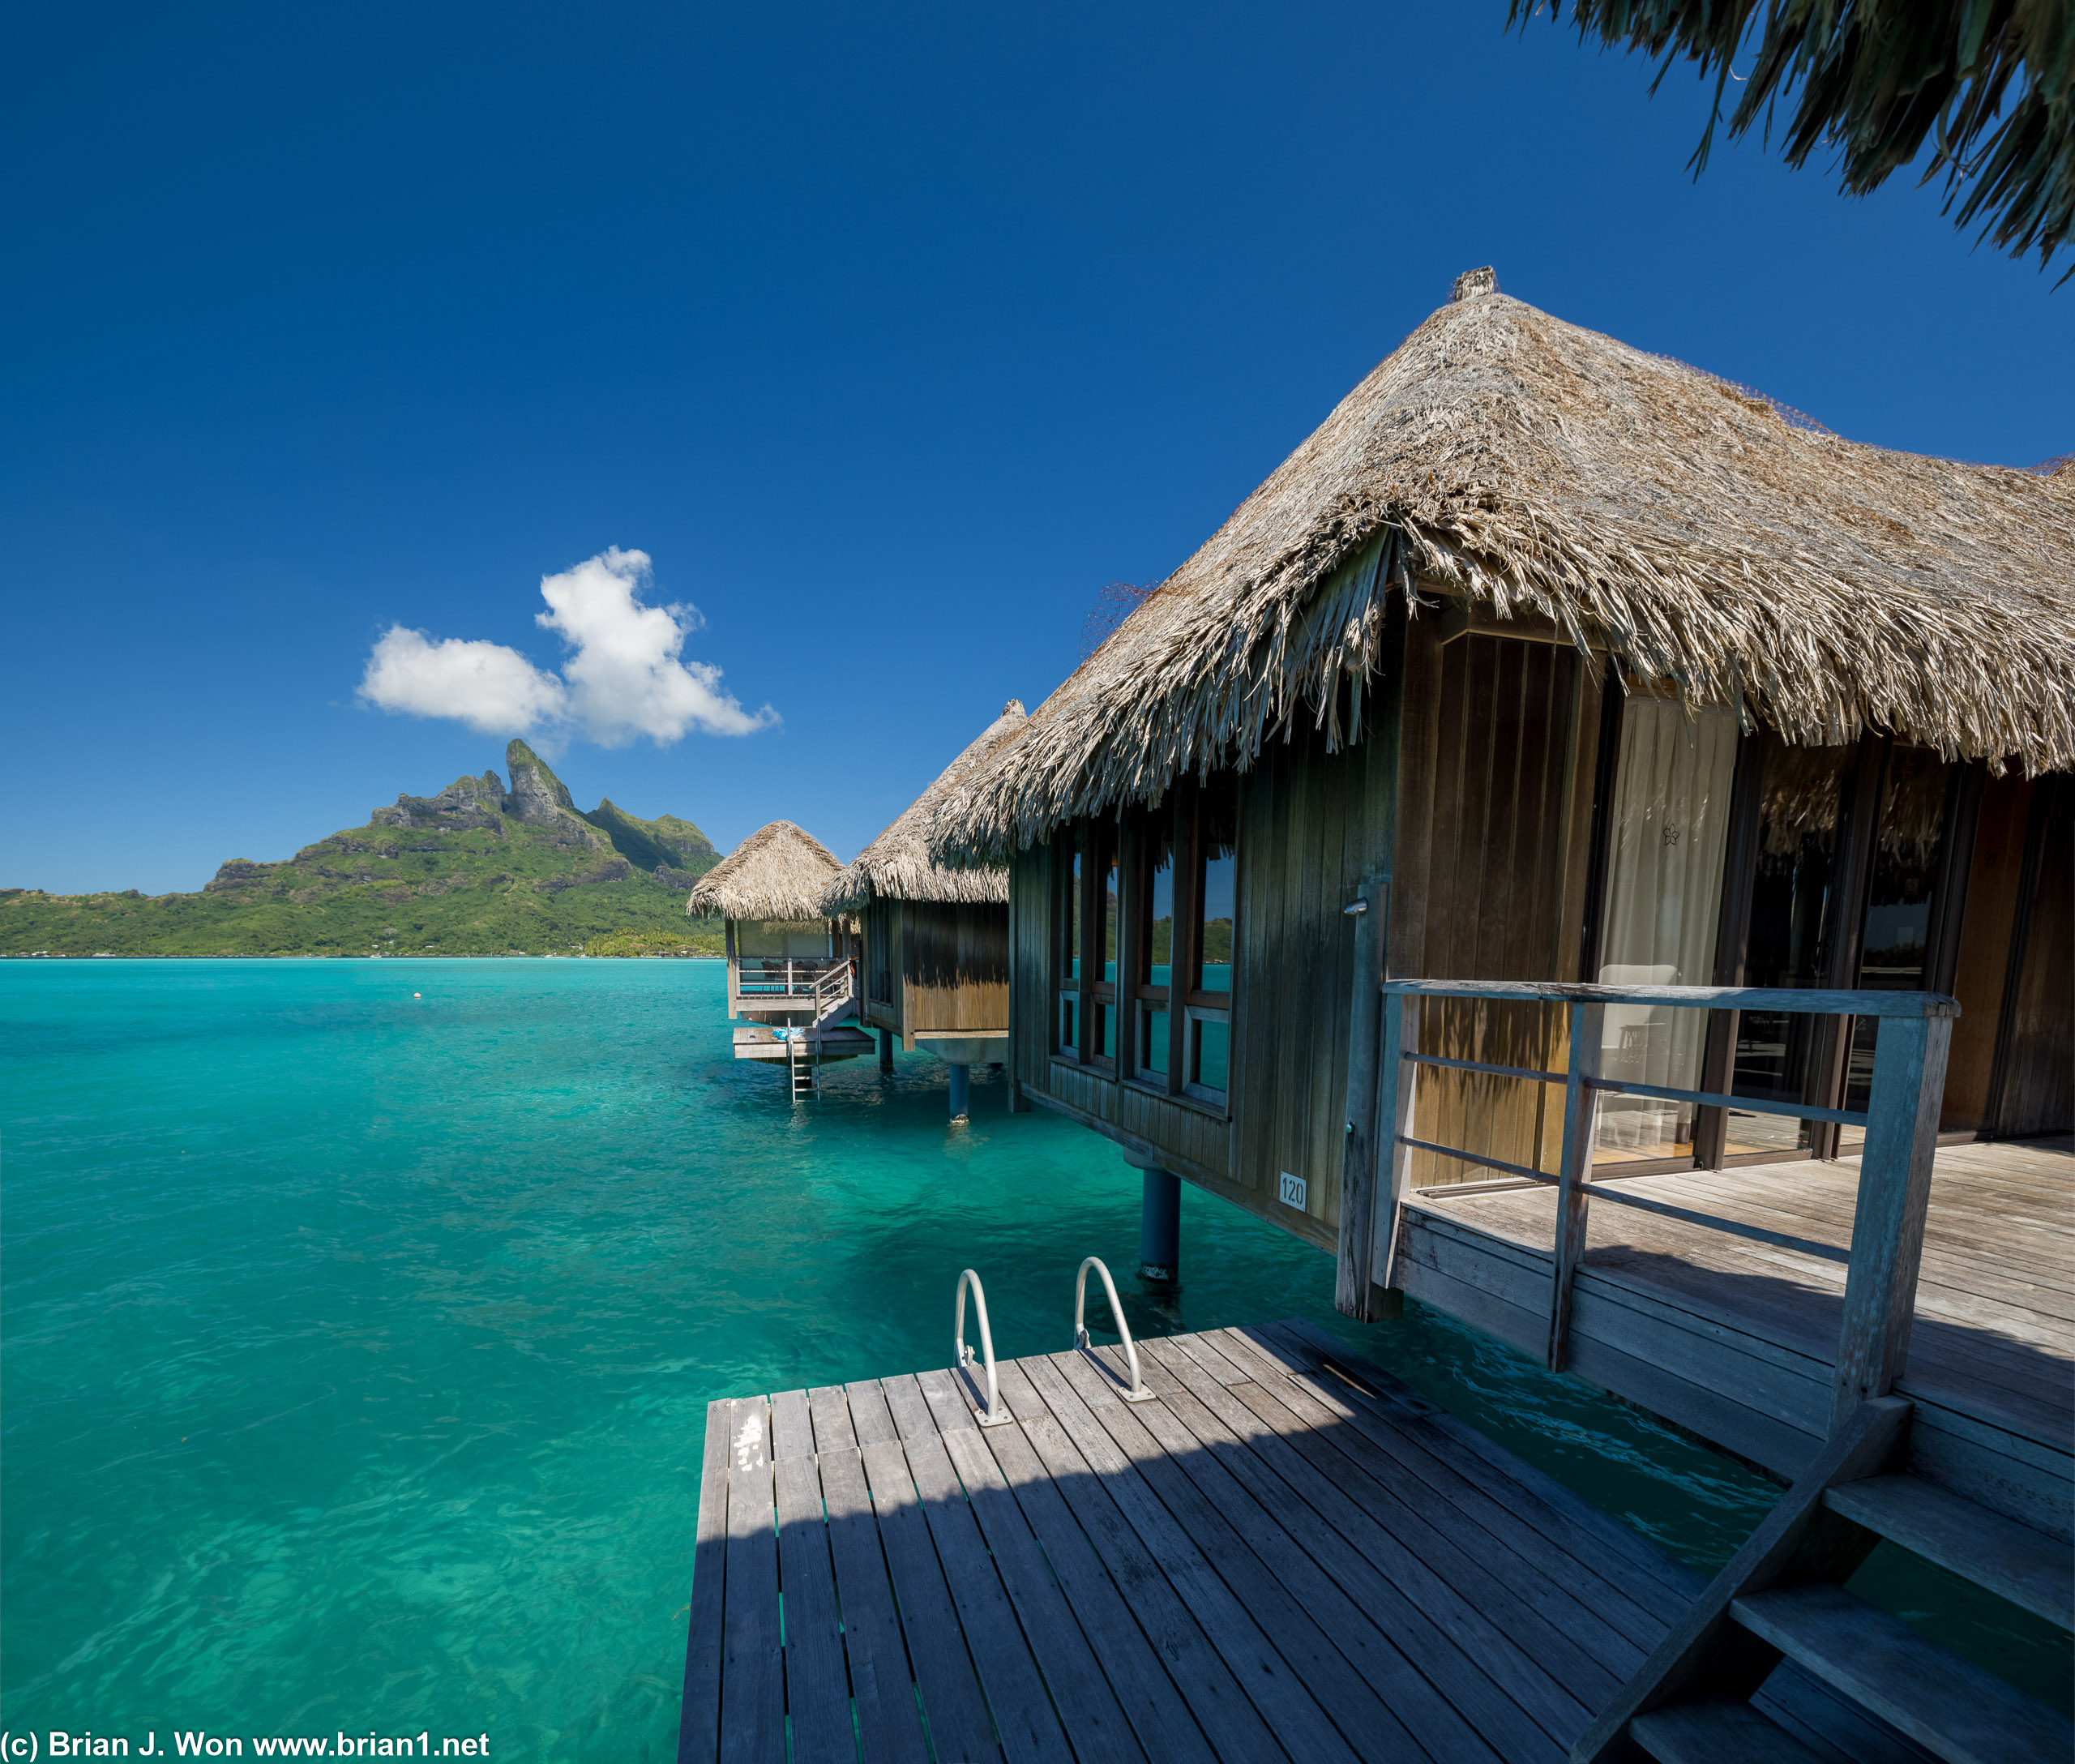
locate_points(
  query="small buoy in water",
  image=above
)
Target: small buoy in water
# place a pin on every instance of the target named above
(418, 995)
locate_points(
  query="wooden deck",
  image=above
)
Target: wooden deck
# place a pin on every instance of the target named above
(1714, 1298)
(1286, 1555)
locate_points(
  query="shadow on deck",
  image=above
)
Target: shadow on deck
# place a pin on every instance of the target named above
(1286, 1555)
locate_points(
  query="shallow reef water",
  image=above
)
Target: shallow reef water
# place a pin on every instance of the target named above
(359, 1320)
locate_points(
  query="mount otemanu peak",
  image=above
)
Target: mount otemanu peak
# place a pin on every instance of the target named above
(481, 869)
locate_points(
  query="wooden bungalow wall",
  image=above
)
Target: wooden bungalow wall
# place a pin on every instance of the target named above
(954, 967)
(945, 964)
(1465, 783)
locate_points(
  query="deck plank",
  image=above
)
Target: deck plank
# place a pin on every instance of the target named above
(1206, 1682)
(881, 1687)
(1158, 1712)
(1631, 1614)
(1241, 1631)
(1403, 1519)
(953, 1704)
(1025, 1720)
(1286, 1554)
(699, 1720)
(1444, 1645)
(752, 1669)
(1328, 1642)
(817, 1683)
(1547, 1503)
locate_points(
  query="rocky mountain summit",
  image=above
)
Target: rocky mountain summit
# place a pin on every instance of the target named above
(481, 868)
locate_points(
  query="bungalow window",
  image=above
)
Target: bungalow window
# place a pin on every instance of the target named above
(1154, 982)
(1145, 942)
(1068, 910)
(1101, 842)
(1211, 900)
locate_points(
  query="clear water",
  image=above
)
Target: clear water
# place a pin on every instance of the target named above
(359, 1320)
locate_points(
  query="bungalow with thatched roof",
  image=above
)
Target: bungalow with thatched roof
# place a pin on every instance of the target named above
(1570, 662)
(935, 938)
(792, 965)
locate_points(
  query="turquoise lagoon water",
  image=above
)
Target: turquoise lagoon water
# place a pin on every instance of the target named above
(359, 1320)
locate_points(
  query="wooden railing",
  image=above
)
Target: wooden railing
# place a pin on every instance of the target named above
(769, 976)
(1894, 1180)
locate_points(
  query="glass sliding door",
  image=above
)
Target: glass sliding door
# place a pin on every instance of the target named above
(1668, 830)
(1909, 861)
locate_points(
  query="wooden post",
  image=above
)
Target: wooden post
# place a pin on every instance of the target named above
(1398, 1076)
(1894, 1192)
(1588, 1024)
(1358, 1173)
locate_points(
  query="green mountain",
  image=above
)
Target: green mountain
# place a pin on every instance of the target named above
(478, 870)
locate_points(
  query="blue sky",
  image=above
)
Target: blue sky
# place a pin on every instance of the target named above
(888, 334)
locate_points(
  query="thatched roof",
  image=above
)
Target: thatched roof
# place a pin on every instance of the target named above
(896, 865)
(1691, 525)
(777, 872)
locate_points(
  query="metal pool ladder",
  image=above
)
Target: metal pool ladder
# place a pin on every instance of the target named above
(1138, 1392)
(994, 1414)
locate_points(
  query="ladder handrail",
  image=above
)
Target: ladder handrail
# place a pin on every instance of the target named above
(994, 1414)
(1138, 1392)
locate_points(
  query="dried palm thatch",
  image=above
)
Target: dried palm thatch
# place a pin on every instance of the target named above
(778, 872)
(1504, 456)
(1878, 78)
(897, 866)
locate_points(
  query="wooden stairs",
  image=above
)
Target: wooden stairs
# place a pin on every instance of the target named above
(835, 998)
(1783, 1598)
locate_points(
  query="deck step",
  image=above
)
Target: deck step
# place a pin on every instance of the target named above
(1711, 1730)
(1950, 1707)
(1999, 1555)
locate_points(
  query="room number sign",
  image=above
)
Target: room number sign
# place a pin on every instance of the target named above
(1293, 1190)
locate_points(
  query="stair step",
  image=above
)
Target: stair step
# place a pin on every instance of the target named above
(1946, 1704)
(2025, 1566)
(1710, 1730)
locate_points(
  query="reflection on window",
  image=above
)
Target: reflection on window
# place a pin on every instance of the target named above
(1105, 903)
(1209, 1047)
(1157, 947)
(1793, 930)
(1216, 879)
(1070, 906)
(1909, 852)
(1105, 1043)
(1152, 1032)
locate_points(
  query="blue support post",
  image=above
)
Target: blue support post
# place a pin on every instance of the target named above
(886, 1050)
(1160, 1229)
(961, 1092)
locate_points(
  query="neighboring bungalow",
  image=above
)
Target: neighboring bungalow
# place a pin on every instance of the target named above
(1567, 661)
(792, 966)
(935, 940)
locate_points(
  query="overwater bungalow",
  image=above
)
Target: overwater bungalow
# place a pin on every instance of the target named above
(935, 940)
(1591, 850)
(792, 966)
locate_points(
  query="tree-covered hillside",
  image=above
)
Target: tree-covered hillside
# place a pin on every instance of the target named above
(478, 870)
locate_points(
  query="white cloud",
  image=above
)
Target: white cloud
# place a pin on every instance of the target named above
(494, 690)
(625, 676)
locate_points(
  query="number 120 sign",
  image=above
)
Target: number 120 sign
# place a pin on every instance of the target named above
(1293, 1190)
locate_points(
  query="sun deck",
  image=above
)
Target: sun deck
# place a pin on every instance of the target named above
(1286, 1554)
(1714, 1299)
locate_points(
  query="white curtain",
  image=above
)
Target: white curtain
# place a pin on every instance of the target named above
(1671, 830)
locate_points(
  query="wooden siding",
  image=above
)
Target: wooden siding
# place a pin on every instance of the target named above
(2034, 1091)
(882, 956)
(954, 971)
(1464, 780)
(1496, 839)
